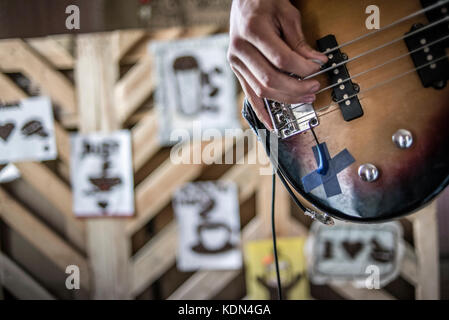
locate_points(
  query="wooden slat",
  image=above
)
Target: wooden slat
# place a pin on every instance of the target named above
(425, 233)
(165, 34)
(9, 92)
(127, 39)
(18, 53)
(56, 193)
(62, 143)
(154, 258)
(134, 88)
(145, 140)
(409, 265)
(19, 283)
(108, 246)
(282, 206)
(53, 51)
(41, 237)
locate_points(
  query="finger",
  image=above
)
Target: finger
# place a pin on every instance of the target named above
(256, 102)
(264, 37)
(268, 76)
(291, 28)
(266, 92)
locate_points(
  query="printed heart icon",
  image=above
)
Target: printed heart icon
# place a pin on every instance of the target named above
(6, 130)
(352, 248)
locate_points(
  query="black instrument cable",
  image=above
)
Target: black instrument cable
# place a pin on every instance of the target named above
(273, 231)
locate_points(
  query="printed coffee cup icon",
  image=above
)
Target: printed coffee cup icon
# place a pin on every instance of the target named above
(188, 85)
(213, 238)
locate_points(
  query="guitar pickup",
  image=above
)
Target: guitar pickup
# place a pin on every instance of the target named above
(291, 119)
(434, 74)
(345, 93)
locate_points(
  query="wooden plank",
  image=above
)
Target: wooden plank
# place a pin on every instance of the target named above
(53, 51)
(108, 245)
(41, 236)
(2, 296)
(154, 258)
(145, 140)
(409, 265)
(134, 88)
(9, 92)
(58, 194)
(62, 143)
(282, 206)
(17, 53)
(127, 39)
(425, 233)
(19, 283)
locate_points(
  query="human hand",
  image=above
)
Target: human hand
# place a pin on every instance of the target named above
(267, 43)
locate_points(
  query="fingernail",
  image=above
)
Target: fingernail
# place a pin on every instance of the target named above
(318, 62)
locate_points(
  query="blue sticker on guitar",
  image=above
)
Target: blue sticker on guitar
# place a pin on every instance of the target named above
(329, 179)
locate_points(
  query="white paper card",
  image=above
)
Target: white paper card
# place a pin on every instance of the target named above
(366, 255)
(102, 175)
(9, 173)
(195, 87)
(27, 131)
(209, 225)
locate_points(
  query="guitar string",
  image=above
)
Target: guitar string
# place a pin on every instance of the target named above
(376, 67)
(335, 66)
(382, 64)
(395, 23)
(379, 84)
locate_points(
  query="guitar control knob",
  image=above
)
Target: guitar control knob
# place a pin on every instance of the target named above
(368, 172)
(403, 139)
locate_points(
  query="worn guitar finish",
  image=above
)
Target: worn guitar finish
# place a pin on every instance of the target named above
(408, 178)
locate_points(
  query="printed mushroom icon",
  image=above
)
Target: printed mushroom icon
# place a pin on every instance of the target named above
(34, 127)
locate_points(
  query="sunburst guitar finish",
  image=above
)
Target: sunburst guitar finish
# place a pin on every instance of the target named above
(408, 178)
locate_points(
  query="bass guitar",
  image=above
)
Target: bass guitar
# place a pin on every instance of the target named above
(375, 144)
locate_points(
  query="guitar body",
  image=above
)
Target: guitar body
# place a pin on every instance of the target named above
(408, 178)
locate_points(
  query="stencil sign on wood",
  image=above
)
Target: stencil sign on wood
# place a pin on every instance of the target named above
(102, 174)
(196, 87)
(349, 252)
(209, 223)
(27, 131)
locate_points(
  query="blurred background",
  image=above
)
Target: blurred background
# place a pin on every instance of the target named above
(148, 68)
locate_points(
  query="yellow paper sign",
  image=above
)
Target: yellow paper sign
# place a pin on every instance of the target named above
(261, 270)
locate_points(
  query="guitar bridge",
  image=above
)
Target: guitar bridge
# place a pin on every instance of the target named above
(291, 119)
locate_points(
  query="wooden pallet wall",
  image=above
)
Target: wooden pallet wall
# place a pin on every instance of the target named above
(103, 82)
